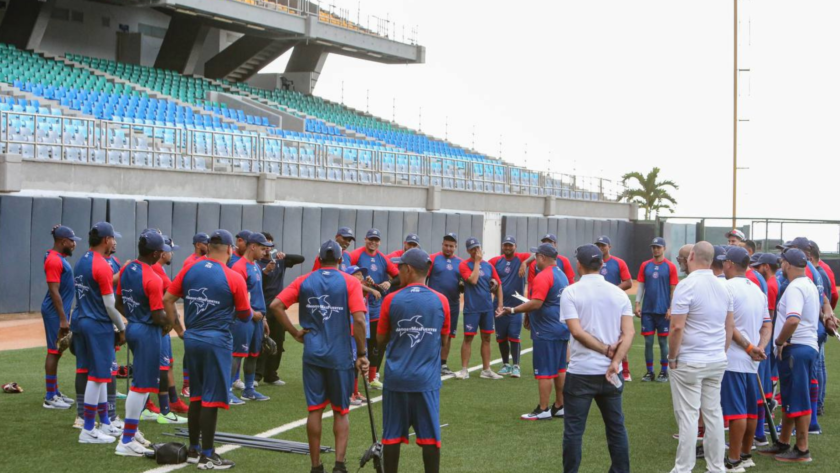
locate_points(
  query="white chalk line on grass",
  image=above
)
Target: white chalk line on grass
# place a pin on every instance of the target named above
(301, 422)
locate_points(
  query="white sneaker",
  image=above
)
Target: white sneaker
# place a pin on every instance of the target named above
(238, 384)
(537, 414)
(490, 374)
(148, 415)
(462, 374)
(747, 463)
(55, 403)
(95, 436)
(278, 382)
(66, 399)
(118, 423)
(131, 449)
(139, 437)
(110, 430)
(256, 383)
(79, 423)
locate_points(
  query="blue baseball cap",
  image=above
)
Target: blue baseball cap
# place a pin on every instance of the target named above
(546, 249)
(415, 257)
(244, 234)
(222, 237)
(588, 255)
(765, 258)
(168, 240)
(549, 236)
(346, 233)
(451, 236)
(603, 240)
(720, 253)
(65, 232)
(201, 238)
(736, 254)
(509, 240)
(355, 269)
(373, 233)
(150, 230)
(658, 241)
(472, 242)
(259, 239)
(330, 248)
(795, 257)
(412, 238)
(800, 243)
(105, 229)
(155, 241)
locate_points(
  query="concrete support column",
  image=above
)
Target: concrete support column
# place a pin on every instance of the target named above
(182, 44)
(25, 23)
(266, 187)
(550, 208)
(10, 172)
(305, 66)
(433, 198)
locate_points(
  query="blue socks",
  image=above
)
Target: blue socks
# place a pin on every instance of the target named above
(249, 380)
(129, 430)
(52, 386)
(207, 453)
(90, 417)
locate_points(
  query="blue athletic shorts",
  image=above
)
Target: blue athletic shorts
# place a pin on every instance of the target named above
(98, 348)
(739, 397)
(242, 331)
(549, 358)
(145, 342)
(51, 325)
(655, 323)
(256, 339)
(324, 386)
(473, 322)
(80, 351)
(402, 410)
(165, 352)
(454, 315)
(797, 373)
(209, 367)
(509, 328)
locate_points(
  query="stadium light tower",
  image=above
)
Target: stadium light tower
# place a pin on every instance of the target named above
(740, 89)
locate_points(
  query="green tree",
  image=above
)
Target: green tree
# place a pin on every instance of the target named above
(651, 195)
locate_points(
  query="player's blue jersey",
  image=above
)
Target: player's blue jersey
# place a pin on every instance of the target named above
(213, 294)
(93, 279)
(615, 270)
(58, 270)
(328, 298)
(141, 291)
(508, 271)
(415, 317)
(445, 277)
(233, 259)
(343, 265)
(253, 279)
(114, 263)
(782, 281)
(477, 297)
(658, 279)
(758, 279)
(545, 322)
(379, 269)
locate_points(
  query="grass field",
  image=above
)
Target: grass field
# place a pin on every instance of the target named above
(484, 432)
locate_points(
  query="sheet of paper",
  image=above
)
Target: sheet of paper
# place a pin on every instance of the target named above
(520, 296)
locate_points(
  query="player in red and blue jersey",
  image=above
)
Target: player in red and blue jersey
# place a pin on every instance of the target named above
(657, 279)
(478, 307)
(380, 268)
(55, 310)
(357, 399)
(414, 321)
(445, 278)
(411, 241)
(214, 298)
(511, 268)
(248, 336)
(830, 287)
(550, 336)
(200, 241)
(95, 317)
(562, 262)
(615, 271)
(344, 236)
(330, 299)
(140, 299)
(241, 246)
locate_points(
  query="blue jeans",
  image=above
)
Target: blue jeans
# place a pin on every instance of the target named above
(822, 375)
(578, 393)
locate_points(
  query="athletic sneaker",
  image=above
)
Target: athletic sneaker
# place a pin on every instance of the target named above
(462, 374)
(138, 436)
(131, 449)
(95, 436)
(79, 423)
(65, 399)
(185, 392)
(445, 371)
(276, 382)
(339, 467)
(214, 462)
(557, 411)
(117, 422)
(747, 461)
(814, 430)
(537, 414)
(489, 374)
(647, 377)
(376, 384)
(355, 401)
(820, 411)
(627, 377)
(110, 429)
(55, 403)
(235, 401)
(256, 384)
(515, 372)
(699, 452)
(179, 407)
(150, 406)
(238, 384)
(734, 467)
(253, 395)
(794, 455)
(662, 378)
(148, 415)
(760, 442)
(775, 449)
(193, 455)
(121, 395)
(506, 370)
(171, 418)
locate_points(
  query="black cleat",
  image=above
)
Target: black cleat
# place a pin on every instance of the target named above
(193, 456)
(339, 468)
(775, 449)
(317, 469)
(214, 462)
(662, 378)
(794, 455)
(647, 377)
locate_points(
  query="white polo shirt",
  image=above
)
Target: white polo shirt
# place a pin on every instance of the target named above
(705, 300)
(801, 299)
(751, 313)
(599, 306)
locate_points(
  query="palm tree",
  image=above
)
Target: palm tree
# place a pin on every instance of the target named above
(652, 196)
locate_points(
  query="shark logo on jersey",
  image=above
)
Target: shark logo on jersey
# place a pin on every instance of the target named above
(128, 300)
(414, 329)
(81, 288)
(198, 299)
(321, 305)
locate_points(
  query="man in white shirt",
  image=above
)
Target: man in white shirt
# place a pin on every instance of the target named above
(795, 338)
(701, 330)
(600, 318)
(740, 394)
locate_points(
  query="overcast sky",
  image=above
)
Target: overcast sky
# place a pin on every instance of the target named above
(605, 87)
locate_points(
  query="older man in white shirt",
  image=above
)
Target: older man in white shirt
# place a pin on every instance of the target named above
(702, 322)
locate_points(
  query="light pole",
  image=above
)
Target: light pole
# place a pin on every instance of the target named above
(735, 122)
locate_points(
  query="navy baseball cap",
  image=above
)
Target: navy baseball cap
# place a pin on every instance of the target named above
(201, 238)
(603, 240)
(472, 242)
(415, 257)
(546, 249)
(65, 232)
(795, 257)
(509, 240)
(105, 229)
(259, 239)
(815, 248)
(168, 240)
(222, 237)
(346, 233)
(355, 269)
(720, 252)
(736, 254)
(150, 230)
(412, 238)
(800, 243)
(244, 234)
(373, 233)
(765, 258)
(658, 241)
(588, 255)
(451, 236)
(155, 242)
(330, 248)
(737, 234)
(549, 236)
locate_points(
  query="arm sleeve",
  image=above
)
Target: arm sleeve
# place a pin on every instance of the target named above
(623, 271)
(682, 301)
(567, 306)
(641, 277)
(542, 283)
(465, 270)
(53, 269)
(289, 296)
(568, 270)
(154, 292)
(104, 276)
(447, 316)
(292, 260)
(110, 303)
(384, 325)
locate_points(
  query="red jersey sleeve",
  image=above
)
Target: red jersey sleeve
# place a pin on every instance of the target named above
(119, 282)
(153, 286)
(523, 256)
(432, 264)
(447, 317)
(568, 270)
(317, 264)
(495, 275)
(391, 268)
(623, 270)
(53, 268)
(240, 268)
(532, 272)
(176, 288)
(465, 270)
(239, 289)
(641, 277)
(355, 296)
(495, 260)
(289, 296)
(675, 278)
(354, 256)
(103, 275)
(384, 325)
(542, 283)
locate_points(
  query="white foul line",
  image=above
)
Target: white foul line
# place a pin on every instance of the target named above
(302, 422)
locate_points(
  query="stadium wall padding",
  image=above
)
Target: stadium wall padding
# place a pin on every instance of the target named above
(45, 213)
(15, 228)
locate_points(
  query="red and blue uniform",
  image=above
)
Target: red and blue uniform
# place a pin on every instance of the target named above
(191, 259)
(379, 269)
(658, 279)
(479, 313)
(343, 264)
(166, 358)
(615, 270)
(213, 294)
(550, 336)
(509, 327)
(94, 347)
(416, 318)
(234, 258)
(247, 336)
(757, 279)
(562, 262)
(57, 270)
(141, 290)
(328, 299)
(832, 284)
(445, 278)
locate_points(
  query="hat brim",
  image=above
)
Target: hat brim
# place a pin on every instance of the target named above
(347, 237)
(660, 245)
(74, 238)
(373, 237)
(477, 245)
(450, 238)
(544, 240)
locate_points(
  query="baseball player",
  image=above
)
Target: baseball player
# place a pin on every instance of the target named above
(657, 280)
(615, 272)
(445, 278)
(511, 268)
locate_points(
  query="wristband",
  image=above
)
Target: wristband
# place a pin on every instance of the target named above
(361, 355)
(672, 360)
(749, 347)
(512, 310)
